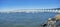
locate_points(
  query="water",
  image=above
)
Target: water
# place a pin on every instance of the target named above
(23, 19)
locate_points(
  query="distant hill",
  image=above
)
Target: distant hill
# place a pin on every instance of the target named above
(56, 9)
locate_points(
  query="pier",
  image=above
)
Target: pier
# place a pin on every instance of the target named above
(32, 10)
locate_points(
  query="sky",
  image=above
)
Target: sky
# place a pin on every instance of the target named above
(29, 4)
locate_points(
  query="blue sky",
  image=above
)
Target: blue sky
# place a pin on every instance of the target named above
(29, 4)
